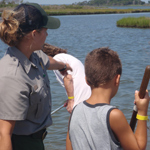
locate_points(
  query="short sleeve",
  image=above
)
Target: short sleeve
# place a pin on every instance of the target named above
(59, 77)
(44, 58)
(14, 101)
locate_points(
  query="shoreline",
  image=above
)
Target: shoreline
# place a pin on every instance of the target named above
(94, 11)
(87, 10)
(84, 10)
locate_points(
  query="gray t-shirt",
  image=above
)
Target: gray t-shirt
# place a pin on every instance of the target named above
(89, 128)
(24, 91)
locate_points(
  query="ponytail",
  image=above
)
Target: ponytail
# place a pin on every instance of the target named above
(9, 29)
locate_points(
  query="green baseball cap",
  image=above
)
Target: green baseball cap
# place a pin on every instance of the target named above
(50, 22)
(35, 17)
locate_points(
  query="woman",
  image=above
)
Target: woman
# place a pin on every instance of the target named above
(25, 99)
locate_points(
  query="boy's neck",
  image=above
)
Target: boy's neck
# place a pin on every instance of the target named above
(104, 93)
(100, 95)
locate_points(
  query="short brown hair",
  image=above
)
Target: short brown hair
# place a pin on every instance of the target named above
(101, 66)
(51, 50)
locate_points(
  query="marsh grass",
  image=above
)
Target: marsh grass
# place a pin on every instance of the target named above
(141, 22)
(83, 10)
(79, 10)
(91, 11)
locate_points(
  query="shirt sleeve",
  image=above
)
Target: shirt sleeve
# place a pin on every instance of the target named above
(61, 58)
(14, 100)
(44, 58)
(59, 77)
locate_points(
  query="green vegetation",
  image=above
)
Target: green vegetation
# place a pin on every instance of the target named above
(111, 2)
(81, 10)
(77, 9)
(10, 3)
(141, 22)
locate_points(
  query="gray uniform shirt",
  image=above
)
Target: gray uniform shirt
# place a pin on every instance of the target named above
(24, 91)
(90, 128)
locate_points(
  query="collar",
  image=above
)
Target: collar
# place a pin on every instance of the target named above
(25, 62)
(94, 105)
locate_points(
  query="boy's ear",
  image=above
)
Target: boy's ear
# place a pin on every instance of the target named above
(117, 81)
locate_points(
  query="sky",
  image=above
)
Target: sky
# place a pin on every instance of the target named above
(51, 2)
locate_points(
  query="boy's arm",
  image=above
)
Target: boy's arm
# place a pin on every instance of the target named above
(68, 83)
(141, 130)
(122, 130)
(68, 142)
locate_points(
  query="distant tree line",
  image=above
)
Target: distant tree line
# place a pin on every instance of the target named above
(111, 2)
(11, 3)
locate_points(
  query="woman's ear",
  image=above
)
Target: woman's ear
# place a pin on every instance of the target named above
(33, 33)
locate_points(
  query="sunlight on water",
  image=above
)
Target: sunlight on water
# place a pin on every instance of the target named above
(81, 34)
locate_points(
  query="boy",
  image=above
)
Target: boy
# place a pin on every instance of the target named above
(94, 123)
(74, 82)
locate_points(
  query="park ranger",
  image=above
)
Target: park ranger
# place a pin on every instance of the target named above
(25, 99)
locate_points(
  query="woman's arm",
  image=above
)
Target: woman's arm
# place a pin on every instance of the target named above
(6, 129)
(55, 65)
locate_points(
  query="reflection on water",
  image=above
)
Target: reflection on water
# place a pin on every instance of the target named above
(81, 34)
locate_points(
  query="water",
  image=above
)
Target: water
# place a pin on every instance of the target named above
(130, 7)
(81, 34)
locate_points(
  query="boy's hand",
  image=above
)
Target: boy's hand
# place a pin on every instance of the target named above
(142, 104)
(70, 105)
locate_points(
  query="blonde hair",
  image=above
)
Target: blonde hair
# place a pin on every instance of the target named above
(18, 23)
(9, 28)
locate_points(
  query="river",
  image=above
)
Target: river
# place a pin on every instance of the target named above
(80, 34)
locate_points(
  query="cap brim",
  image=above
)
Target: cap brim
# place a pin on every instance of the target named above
(52, 23)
